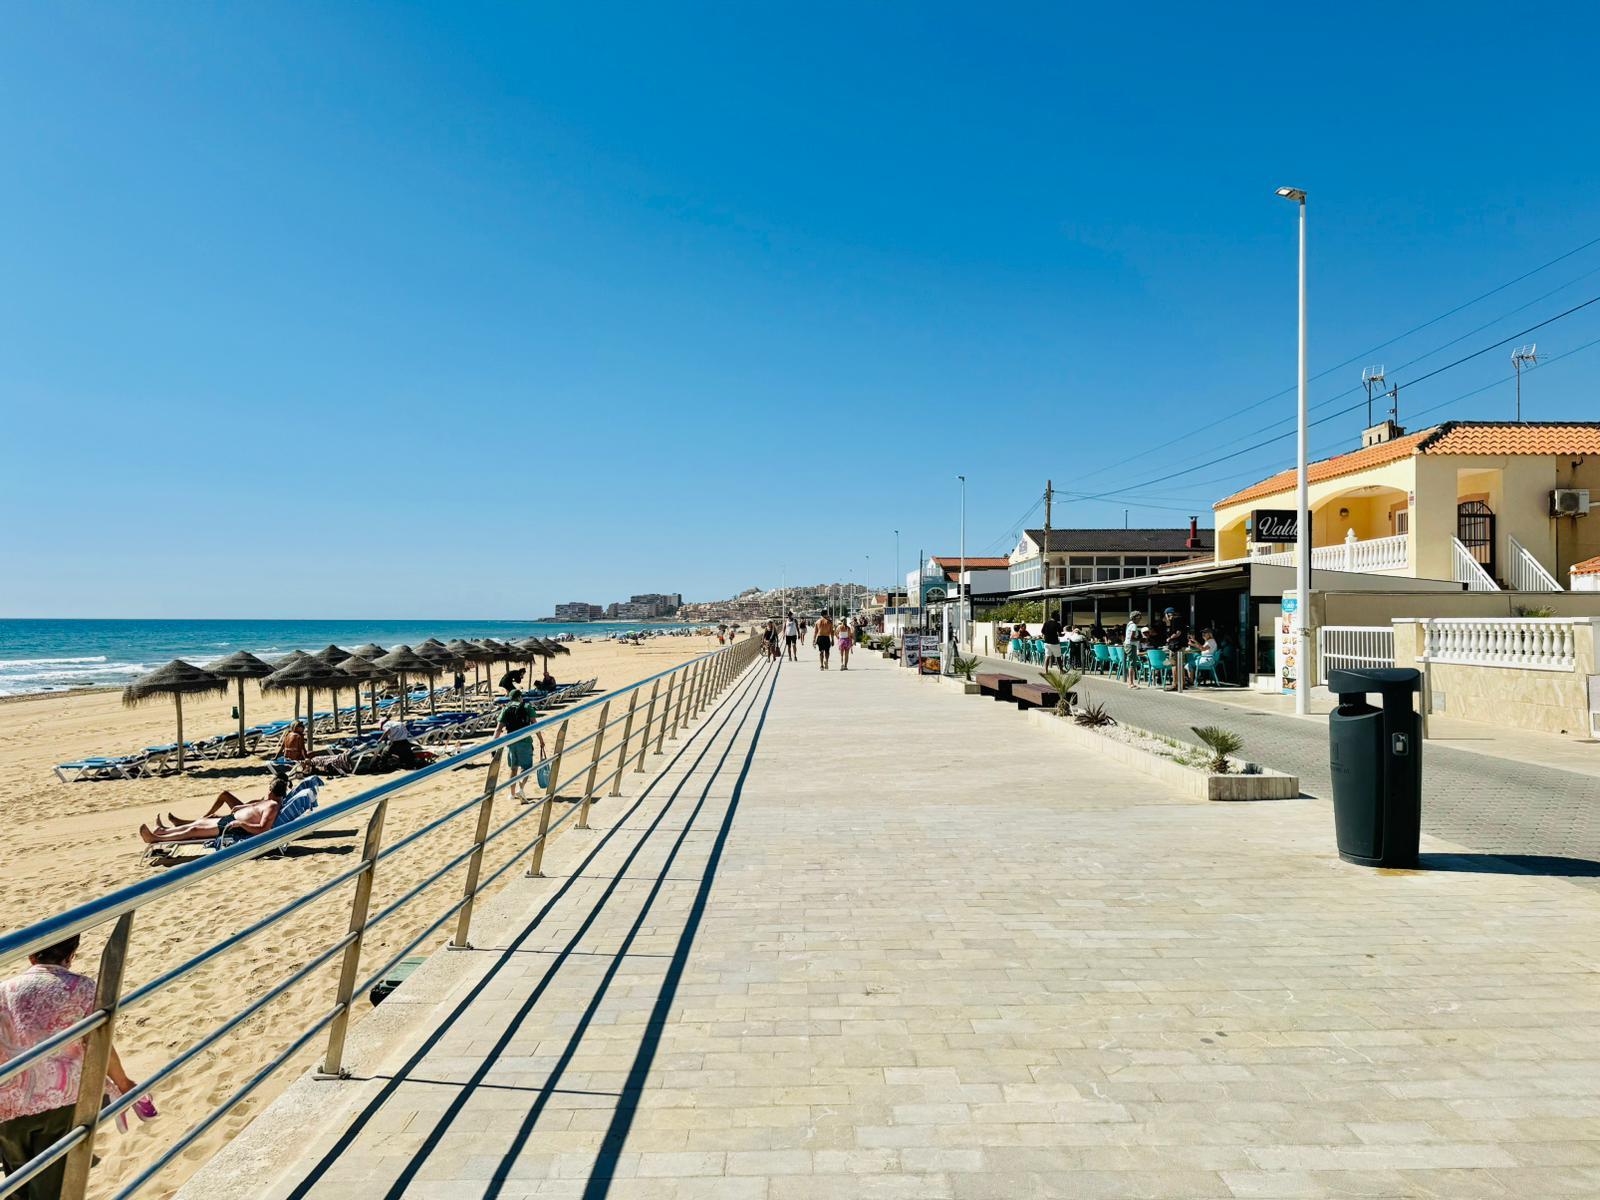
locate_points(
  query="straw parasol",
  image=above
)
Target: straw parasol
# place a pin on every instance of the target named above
(177, 679)
(313, 674)
(440, 657)
(333, 656)
(241, 666)
(358, 669)
(403, 661)
(371, 652)
(289, 659)
(463, 650)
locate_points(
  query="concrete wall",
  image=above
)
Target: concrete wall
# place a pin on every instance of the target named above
(1380, 608)
(1547, 701)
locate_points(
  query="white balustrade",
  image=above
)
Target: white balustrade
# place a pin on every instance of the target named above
(1529, 643)
(1526, 573)
(1367, 557)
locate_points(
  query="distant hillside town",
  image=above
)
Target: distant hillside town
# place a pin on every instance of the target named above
(757, 604)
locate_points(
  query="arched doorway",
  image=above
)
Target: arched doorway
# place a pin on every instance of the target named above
(1475, 529)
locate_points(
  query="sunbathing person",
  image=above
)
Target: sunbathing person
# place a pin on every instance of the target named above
(228, 803)
(255, 817)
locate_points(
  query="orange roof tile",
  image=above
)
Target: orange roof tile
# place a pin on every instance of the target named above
(1452, 437)
(1589, 566)
(1332, 468)
(974, 563)
(1486, 437)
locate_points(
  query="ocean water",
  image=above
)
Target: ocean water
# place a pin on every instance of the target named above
(45, 655)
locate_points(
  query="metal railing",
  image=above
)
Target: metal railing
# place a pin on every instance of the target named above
(689, 688)
(1526, 573)
(1340, 647)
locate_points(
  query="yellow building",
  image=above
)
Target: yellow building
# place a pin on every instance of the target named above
(1487, 504)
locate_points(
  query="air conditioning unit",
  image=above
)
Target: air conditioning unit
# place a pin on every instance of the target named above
(1569, 502)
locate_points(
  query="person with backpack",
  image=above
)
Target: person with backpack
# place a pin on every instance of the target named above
(519, 754)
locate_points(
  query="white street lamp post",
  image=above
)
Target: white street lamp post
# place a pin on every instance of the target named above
(961, 590)
(1302, 556)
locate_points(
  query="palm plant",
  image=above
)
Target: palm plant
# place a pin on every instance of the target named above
(1093, 714)
(1221, 743)
(965, 665)
(1063, 683)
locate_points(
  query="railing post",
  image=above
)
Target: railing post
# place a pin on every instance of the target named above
(535, 870)
(702, 678)
(475, 863)
(333, 1061)
(594, 766)
(96, 1058)
(683, 693)
(627, 735)
(666, 713)
(649, 724)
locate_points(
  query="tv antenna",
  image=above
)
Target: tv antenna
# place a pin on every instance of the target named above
(1370, 378)
(1523, 356)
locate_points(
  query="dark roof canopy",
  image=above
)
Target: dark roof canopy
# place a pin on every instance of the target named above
(1125, 541)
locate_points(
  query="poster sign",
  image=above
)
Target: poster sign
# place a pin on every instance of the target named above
(1273, 525)
(1289, 664)
(928, 656)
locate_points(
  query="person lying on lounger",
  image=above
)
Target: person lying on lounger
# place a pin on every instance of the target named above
(255, 817)
(227, 803)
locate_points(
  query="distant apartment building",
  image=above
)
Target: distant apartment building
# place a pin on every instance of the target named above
(577, 610)
(645, 607)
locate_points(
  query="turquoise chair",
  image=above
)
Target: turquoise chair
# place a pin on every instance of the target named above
(1119, 660)
(1204, 665)
(1102, 658)
(1038, 652)
(1158, 666)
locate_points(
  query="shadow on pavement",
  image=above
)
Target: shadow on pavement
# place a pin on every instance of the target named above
(1511, 864)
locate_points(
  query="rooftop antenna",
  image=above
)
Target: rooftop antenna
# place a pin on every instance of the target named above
(1523, 356)
(1370, 378)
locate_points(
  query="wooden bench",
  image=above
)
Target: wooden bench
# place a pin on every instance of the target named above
(997, 685)
(1034, 695)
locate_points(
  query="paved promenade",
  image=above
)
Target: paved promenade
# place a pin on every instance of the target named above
(869, 938)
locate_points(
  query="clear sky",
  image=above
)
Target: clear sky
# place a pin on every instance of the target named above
(464, 310)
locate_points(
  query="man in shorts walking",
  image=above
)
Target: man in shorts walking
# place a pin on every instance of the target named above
(519, 754)
(791, 637)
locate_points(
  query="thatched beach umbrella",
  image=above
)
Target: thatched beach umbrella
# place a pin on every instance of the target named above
(313, 674)
(241, 666)
(333, 656)
(177, 679)
(403, 661)
(441, 658)
(464, 651)
(358, 669)
(371, 652)
(288, 660)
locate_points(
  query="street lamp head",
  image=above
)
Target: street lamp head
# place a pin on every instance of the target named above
(1298, 195)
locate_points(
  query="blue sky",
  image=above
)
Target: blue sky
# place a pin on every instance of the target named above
(577, 301)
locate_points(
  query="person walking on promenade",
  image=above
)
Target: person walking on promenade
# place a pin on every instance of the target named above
(1132, 636)
(791, 637)
(519, 754)
(1050, 634)
(822, 638)
(36, 1105)
(846, 640)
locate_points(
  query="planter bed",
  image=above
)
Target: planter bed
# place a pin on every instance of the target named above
(1156, 756)
(957, 684)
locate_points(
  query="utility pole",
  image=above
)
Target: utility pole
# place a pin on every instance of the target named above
(1044, 550)
(961, 587)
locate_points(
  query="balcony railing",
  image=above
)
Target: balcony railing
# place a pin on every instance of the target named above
(1470, 571)
(1526, 573)
(1531, 643)
(1375, 555)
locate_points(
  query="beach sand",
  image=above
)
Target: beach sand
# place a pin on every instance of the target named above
(67, 843)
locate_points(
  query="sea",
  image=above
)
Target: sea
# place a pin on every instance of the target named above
(41, 655)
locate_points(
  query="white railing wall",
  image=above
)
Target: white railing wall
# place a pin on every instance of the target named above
(1342, 647)
(1529, 643)
(1353, 554)
(1470, 571)
(1526, 573)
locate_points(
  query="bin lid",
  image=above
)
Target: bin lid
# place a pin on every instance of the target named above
(1360, 680)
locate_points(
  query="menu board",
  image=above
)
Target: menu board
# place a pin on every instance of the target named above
(1289, 664)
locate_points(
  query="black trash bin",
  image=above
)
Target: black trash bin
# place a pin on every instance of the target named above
(1376, 759)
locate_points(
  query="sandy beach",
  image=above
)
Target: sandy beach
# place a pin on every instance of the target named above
(66, 843)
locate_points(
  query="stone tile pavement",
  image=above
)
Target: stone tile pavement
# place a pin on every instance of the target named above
(876, 939)
(1493, 805)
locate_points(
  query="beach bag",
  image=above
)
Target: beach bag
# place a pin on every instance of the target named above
(542, 774)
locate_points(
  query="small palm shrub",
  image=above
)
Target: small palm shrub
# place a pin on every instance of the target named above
(1063, 684)
(965, 665)
(1221, 743)
(1093, 714)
